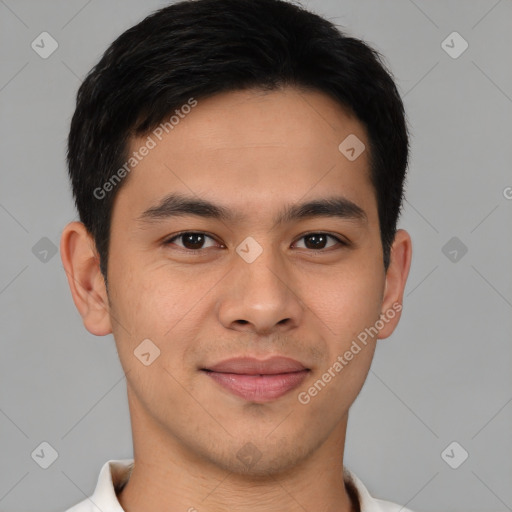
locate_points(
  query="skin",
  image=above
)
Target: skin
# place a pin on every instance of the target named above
(251, 151)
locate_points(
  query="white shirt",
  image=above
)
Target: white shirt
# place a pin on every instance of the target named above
(115, 473)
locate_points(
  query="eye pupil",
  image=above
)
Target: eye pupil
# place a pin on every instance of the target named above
(196, 240)
(318, 241)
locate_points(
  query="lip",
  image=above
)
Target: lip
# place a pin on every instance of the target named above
(258, 380)
(252, 366)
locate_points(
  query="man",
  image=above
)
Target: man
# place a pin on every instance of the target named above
(238, 168)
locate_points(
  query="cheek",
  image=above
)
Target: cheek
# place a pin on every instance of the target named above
(353, 300)
(149, 335)
(165, 306)
(150, 299)
(346, 301)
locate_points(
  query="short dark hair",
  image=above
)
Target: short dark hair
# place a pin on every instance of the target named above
(198, 48)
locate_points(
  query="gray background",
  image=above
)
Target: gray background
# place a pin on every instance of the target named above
(443, 376)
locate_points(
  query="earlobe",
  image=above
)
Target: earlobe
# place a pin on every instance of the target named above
(81, 264)
(396, 279)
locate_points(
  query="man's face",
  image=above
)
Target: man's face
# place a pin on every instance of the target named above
(304, 288)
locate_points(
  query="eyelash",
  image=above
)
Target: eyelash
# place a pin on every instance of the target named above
(169, 241)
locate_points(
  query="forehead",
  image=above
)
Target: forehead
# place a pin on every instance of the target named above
(285, 116)
(252, 147)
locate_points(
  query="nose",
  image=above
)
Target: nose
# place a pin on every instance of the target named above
(260, 297)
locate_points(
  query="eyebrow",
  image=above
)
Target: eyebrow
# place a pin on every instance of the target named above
(178, 205)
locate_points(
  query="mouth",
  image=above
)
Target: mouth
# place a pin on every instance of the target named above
(258, 380)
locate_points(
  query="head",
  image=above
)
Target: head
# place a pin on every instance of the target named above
(221, 215)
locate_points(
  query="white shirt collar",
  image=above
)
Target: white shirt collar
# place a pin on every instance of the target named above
(116, 472)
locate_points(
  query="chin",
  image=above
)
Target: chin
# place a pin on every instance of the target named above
(261, 459)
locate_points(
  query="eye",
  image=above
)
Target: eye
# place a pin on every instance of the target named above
(318, 241)
(193, 241)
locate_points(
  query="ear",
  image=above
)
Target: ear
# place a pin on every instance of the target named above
(396, 278)
(81, 263)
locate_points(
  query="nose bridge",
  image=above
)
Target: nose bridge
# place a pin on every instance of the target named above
(258, 292)
(260, 271)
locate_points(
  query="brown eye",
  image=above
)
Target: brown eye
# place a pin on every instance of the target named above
(319, 241)
(190, 240)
